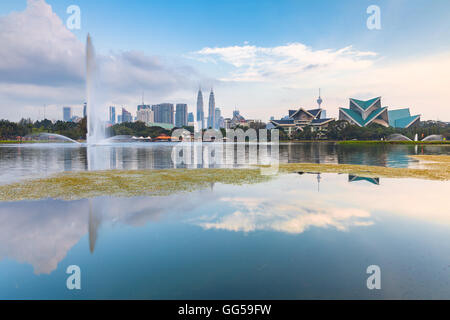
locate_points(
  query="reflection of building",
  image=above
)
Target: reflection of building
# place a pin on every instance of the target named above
(181, 115)
(362, 113)
(352, 178)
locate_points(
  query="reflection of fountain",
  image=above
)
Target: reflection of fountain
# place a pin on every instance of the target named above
(94, 224)
(95, 125)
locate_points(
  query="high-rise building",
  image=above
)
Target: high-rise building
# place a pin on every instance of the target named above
(112, 114)
(191, 117)
(119, 118)
(163, 113)
(126, 116)
(145, 115)
(143, 107)
(85, 110)
(217, 116)
(200, 114)
(181, 118)
(211, 111)
(67, 113)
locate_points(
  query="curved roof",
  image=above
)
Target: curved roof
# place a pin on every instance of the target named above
(365, 104)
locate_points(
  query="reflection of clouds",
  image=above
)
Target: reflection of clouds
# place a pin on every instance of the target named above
(291, 215)
(42, 232)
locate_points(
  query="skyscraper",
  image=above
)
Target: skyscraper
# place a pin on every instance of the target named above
(217, 116)
(200, 114)
(67, 113)
(191, 117)
(181, 116)
(112, 114)
(163, 113)
(85, 110)
(211, 110)
(145, 115)
(126, 116)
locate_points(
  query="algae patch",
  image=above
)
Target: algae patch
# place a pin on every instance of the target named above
(434, 167)
(89, 184)
(78, 185)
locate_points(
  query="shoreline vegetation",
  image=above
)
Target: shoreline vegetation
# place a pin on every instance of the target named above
(84, 184)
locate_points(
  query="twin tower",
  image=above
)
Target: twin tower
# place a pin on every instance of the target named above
(211, 123)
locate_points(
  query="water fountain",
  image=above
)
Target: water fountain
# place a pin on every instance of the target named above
(95, 125)
(97, 158)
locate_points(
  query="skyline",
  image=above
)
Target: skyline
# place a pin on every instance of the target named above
(262, 70)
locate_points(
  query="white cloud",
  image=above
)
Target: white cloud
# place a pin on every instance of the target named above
(292, 215)
(267, 81)
(42, 62)
(286, 62)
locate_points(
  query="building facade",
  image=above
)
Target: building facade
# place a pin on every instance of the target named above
(67, 113)
(112, 114)
(126, 116)
(145, 115)
(200, 115)
(364, 112)
(181, 115)
(212, 111)
(163, 113)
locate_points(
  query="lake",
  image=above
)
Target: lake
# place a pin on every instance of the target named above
(296, 236)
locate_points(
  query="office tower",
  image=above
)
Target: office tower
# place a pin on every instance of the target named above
(191, 117)
(126, 116)
(163, 113)
(181, 118)
(217, 116)
(143, 107)
(146, 116)
(67, 113)
(119, 118)
(85, 110)
(211, 110)
(200, 114)
(112, 115)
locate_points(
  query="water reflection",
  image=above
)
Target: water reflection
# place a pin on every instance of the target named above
(20, 162)
(42, 233)
(353, 178)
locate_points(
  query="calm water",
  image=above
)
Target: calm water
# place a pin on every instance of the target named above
(20, 162)
(294, 237)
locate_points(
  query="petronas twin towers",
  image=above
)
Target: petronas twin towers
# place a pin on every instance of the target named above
(211, 123)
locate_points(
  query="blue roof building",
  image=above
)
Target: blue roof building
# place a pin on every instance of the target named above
(362, 113)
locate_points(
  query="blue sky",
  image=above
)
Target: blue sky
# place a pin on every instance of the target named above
(176, 31)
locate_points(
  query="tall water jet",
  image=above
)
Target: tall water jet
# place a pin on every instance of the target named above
(95, 124)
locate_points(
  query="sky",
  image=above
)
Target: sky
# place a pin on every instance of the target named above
(261, 57)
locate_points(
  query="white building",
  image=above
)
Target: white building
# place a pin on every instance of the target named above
(146, 116)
